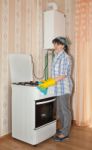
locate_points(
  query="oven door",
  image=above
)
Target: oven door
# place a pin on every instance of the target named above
(45, 111)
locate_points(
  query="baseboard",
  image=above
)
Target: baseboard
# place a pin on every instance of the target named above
(5, 136)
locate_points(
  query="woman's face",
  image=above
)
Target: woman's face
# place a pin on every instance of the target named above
(58, 47)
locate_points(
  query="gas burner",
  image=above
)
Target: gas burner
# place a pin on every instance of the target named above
(31, 83)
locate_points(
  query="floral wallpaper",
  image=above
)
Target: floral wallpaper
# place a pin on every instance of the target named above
(21, 31)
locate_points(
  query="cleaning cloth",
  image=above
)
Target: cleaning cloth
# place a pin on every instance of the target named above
(43, 90)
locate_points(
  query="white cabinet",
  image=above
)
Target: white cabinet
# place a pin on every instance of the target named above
(54, 25)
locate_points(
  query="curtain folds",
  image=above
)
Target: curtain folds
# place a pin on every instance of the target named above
(83, 64)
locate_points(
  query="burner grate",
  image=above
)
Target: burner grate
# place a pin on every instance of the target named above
(31, 83)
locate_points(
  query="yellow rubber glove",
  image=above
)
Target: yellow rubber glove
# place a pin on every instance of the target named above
(47, 83)
(43, 81)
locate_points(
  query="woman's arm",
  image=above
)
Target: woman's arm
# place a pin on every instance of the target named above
(65, 69)
(61, 77)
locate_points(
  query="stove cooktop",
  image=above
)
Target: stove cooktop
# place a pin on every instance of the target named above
(31, 83)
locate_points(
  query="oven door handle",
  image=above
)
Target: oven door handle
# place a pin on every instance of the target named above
(40, 103)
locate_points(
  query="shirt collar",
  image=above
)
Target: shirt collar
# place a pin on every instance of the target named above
(58, 54)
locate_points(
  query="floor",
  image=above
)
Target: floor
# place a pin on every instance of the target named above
(80, 139)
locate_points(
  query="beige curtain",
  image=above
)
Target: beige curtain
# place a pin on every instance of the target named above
(83, 62)
(20, 32)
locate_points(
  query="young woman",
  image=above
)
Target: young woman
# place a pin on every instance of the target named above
(61, 72)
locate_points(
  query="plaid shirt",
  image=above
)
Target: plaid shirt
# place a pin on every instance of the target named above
(62, 66)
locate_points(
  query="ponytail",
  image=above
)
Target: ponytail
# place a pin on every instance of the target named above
(66, 49)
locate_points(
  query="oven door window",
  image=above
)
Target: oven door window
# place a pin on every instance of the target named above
(45, 112)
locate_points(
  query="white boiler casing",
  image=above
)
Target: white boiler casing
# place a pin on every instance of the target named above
(54, 25)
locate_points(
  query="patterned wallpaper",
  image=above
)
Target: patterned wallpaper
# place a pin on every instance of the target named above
(70, 32)
(20, 32)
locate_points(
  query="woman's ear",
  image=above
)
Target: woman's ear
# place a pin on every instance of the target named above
(63, 46)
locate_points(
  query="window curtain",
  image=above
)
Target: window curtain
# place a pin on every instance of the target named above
(83, 62)
(20, 32)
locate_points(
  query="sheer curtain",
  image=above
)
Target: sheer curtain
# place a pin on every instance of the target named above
(83, 62)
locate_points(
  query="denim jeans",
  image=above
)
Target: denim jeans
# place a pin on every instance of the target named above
(64, 112)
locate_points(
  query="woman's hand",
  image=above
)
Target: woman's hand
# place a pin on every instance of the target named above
(47, 83)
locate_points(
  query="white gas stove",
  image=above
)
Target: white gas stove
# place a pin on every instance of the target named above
(33, 114)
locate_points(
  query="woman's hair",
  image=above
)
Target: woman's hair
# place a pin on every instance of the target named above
(62, 41)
